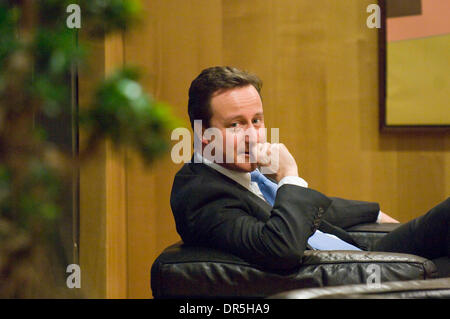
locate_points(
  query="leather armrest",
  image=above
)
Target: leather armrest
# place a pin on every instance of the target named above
(368, 234)
(199, 272)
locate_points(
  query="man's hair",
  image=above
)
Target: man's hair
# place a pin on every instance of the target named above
(213, 80)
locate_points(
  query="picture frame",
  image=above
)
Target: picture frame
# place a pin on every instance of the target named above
(395, 114)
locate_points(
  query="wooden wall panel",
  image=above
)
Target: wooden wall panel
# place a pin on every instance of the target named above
(319, 65)
(103, 255)
(178, 39)
(116, 201)
(92, 245)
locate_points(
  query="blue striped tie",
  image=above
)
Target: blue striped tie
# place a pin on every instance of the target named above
(318, 240)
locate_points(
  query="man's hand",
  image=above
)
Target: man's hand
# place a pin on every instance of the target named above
(386, 218)
(275, 160)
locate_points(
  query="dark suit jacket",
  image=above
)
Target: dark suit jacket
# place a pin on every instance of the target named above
(212, 210)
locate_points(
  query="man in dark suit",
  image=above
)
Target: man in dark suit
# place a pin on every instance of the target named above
(220, 199)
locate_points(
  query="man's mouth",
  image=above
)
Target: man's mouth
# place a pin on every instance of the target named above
(246, 153)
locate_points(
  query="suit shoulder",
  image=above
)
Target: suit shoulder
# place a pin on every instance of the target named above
(195, 178)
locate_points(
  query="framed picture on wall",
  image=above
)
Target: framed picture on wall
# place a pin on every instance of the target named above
(414, 59)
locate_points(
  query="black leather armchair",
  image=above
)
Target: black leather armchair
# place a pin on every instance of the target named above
(183, 271)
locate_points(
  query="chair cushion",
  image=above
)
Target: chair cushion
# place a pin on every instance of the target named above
(191, 271)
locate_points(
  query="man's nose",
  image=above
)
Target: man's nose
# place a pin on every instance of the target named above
(251, 134)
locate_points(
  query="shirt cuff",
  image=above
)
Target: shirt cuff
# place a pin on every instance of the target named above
(293, 180)
(379, 218)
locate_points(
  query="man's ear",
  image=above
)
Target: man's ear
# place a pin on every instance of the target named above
(205, 141)
(209, 137)
(199, 134)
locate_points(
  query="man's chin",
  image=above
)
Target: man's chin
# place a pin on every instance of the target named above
(242, 167)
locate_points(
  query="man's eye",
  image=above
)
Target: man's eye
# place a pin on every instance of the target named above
(234, 125)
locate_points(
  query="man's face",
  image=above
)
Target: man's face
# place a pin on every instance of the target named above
(238, 115)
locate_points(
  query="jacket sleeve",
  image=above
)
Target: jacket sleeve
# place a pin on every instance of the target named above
(220, 219)
(345, 213)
